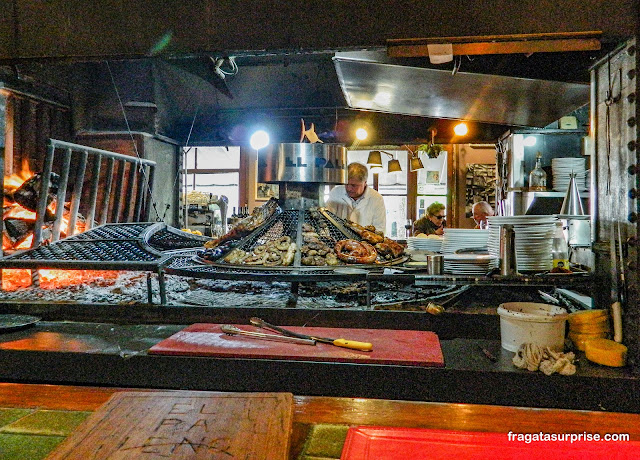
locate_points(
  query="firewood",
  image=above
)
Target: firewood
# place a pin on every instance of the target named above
(28, 193)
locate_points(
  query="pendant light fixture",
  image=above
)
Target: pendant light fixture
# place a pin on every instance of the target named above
(374, 160)
(415, 162)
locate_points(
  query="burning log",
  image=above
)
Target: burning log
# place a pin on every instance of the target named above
(20, 204)
(28, 194)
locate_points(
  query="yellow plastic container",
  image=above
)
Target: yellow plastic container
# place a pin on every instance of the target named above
(580, 339)
(606, 352)
(587, 317)
(598, 325)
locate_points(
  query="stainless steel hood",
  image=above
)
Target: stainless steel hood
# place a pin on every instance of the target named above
(400, 89)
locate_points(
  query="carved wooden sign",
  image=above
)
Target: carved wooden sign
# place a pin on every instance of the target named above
(184, 425)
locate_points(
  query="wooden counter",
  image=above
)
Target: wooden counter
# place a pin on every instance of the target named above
(313, 410)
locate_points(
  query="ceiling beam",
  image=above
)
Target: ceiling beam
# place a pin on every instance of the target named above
(498, 44)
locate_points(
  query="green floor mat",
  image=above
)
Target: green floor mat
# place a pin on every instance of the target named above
(9, 415)
(47, 423)
(27, 447)
(325, 442)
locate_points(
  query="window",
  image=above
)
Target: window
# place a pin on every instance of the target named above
(432, 183)
(214, 171)
(392, 187)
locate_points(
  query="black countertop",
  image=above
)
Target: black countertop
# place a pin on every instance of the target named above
(112, 354)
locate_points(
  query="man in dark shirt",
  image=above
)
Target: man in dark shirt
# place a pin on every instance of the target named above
(431, 223)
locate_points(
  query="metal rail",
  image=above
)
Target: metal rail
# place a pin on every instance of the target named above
(140, 173)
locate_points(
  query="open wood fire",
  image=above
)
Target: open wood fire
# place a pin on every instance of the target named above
(21, 192)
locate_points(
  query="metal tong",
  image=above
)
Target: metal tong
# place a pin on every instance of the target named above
(344, 343)
(232, 330)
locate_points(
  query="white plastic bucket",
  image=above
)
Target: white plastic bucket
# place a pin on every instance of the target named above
(525, 322)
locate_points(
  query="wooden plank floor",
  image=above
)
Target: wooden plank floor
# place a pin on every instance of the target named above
(312, 410)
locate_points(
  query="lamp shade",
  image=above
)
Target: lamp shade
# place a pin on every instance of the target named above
(416, 163)
(375, 159)
(394, 166)
(572, 205)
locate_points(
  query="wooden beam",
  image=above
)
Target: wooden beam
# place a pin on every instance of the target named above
(499, 44)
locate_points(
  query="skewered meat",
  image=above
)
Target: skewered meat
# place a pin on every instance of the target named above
(236, 256)
(355, 252)
(389, 248)
(288, 257)
(283, 243)
(368, 233)
(255, 259)
(272, 259)
(371, 237)
(332, 259)
(246, 225)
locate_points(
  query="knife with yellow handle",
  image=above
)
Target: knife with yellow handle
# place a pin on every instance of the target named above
(344, 343)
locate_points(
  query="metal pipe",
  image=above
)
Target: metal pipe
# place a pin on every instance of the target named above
(45, 183)
(107, 192)
(149, 290)
(77, 193)
(62, 193)
(163, 287)
(131, 182)
(93, 191)
(104, 153)
(149, 199)
(2, 220)
(593, 133)
(115, 217)
(139, 194)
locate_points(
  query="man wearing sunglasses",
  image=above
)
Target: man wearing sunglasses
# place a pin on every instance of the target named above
(431, 223)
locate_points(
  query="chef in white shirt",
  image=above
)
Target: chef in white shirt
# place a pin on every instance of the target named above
(356, 201)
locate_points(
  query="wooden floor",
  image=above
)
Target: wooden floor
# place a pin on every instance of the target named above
(312, 410)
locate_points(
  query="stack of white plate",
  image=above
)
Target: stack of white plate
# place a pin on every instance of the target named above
(562, 168)
(469, 264)
(426, 244)
(533, 240)
(464, 238)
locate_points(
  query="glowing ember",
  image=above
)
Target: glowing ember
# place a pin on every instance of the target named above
(14, 181)
(13, 279)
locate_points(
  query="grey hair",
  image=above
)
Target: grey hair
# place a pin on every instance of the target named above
(358, 171)
(483, 207)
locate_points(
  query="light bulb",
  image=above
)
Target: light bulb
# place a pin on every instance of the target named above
(361, 134)
(259, 139)
(461, 129)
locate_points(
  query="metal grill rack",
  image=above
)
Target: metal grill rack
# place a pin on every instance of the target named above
(125, 246)
(142, 247)
(328, 226)
(280, 224)
(170, 239)
(184, 264)
(108, 247)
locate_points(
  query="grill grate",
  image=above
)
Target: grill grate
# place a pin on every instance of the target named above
(122, 246)
(111, 232)
(327, 230)
(281, 224)
(184, 264)
(117, 251)
(168, 239)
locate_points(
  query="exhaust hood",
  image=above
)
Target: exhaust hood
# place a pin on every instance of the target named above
(386, 87)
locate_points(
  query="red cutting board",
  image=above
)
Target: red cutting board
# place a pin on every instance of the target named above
(410, 348)
(387, 443)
